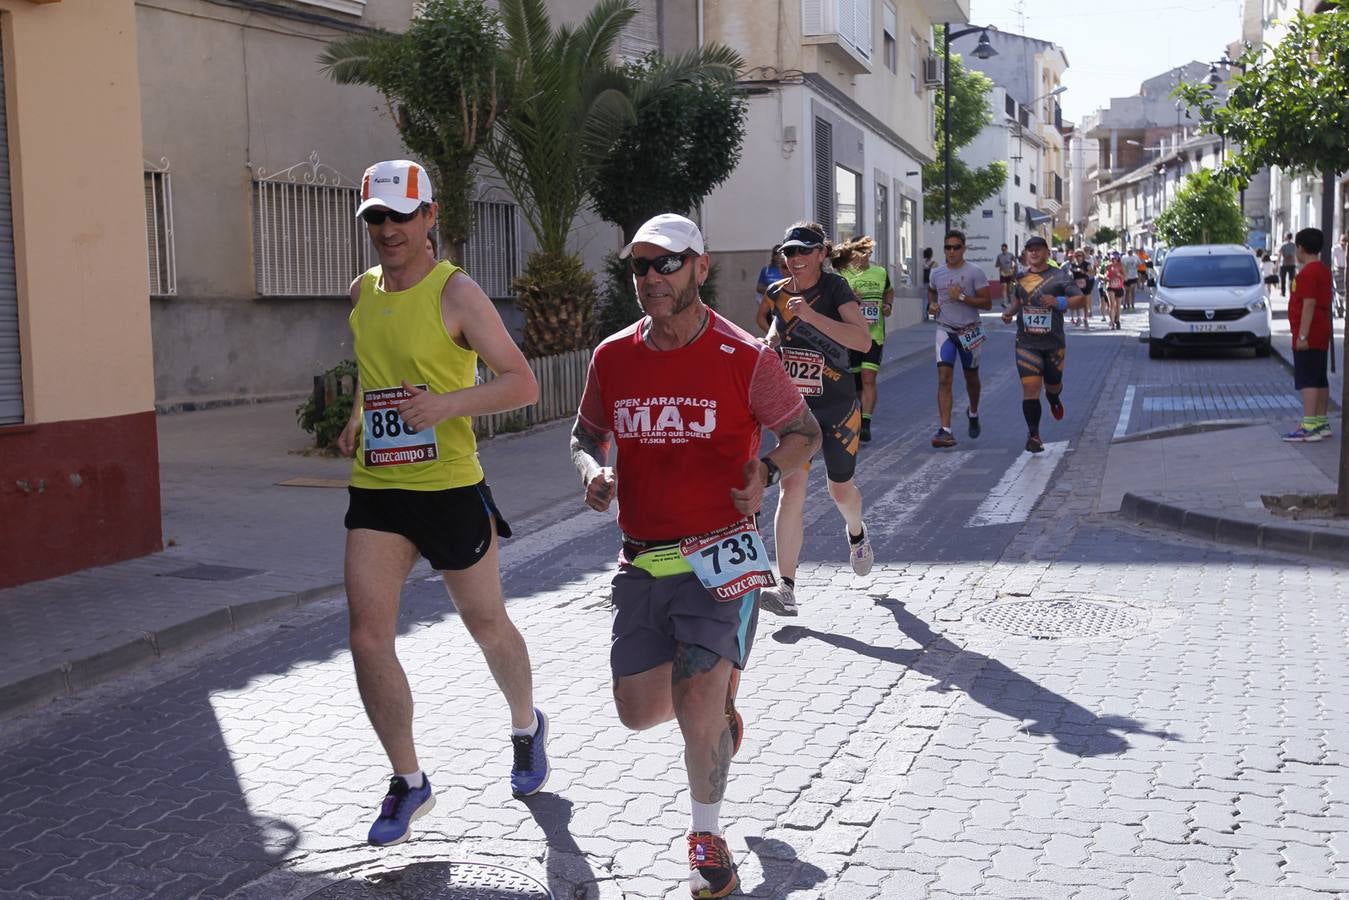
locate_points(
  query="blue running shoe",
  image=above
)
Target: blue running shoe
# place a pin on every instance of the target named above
(531, 769)
(401, 805)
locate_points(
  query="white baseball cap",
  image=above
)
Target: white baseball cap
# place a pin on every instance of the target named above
(397, 184)
(669, 230)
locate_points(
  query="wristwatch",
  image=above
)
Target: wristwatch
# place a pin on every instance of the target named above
(774, 473)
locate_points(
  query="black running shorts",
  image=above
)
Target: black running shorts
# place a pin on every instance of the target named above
(451, 528)
(1046, 364)
(1309, 369)
(841, 427)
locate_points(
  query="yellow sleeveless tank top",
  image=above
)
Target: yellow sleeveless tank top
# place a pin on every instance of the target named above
(400, 336)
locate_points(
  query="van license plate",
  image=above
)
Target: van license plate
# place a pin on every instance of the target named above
(1208, 326)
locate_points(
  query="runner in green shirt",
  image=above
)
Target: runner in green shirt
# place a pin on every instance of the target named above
(876, 296)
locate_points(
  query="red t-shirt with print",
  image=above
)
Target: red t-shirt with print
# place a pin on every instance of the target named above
(685, 422)
(1313, 281)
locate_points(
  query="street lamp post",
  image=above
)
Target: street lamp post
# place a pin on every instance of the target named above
(983, 51)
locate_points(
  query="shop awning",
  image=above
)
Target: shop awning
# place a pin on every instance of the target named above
(1037, 216)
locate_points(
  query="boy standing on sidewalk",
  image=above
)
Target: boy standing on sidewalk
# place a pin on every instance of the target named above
(1309, 320)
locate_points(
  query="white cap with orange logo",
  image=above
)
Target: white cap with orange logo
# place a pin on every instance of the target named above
(397, 184)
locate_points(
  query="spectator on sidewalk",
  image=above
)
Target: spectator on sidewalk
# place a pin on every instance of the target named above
(1309, 322)
(417, 488)
(763, 317)
(1287, 263)
(1269, 269)
(1006, 266)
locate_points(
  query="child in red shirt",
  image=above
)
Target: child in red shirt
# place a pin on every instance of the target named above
(1309, 318)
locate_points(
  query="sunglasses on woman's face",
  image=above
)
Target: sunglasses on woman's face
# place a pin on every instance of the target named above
(668, 264)
(789, 252)
(377, 216)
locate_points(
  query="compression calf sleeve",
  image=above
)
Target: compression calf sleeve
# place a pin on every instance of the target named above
(1031, 410)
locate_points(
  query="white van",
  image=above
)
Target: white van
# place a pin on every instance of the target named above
(1209, 295)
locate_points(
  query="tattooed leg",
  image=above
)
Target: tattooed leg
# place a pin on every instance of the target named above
(699, 679)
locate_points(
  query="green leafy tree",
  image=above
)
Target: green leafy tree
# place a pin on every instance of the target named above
(654, 168)
(441, 79)
(1104, 236)
(1205, 211)
(970, 112)
(1286, 107)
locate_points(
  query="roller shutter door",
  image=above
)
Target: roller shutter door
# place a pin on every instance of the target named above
(11, 381)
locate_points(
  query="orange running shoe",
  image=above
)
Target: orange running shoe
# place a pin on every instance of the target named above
(711, 869)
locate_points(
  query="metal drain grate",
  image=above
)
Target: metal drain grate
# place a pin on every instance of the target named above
(437, 881)
(1050, 619)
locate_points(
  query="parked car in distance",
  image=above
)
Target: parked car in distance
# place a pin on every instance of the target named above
(1209, 295)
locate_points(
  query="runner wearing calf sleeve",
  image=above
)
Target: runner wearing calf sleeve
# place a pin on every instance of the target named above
(1041, 296)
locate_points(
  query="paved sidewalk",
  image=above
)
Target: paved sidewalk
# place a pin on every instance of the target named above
(242, 545)
(1206, 474)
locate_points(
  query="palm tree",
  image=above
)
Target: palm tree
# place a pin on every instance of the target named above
(564, 89)
(569, 105)
(441, 81)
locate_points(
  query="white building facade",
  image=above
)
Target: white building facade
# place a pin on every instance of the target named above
(840, 124)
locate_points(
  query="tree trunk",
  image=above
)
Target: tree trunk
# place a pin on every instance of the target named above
(557, 295)
(1327, 232)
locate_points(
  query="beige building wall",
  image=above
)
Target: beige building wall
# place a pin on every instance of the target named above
(74, 143)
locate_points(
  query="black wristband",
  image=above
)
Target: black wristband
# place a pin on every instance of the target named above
(774, 473)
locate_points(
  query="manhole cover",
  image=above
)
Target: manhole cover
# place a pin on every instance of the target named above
(1048, 619)
(438, 881)
(213, 573)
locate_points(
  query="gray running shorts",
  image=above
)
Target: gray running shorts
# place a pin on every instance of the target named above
(651, 615)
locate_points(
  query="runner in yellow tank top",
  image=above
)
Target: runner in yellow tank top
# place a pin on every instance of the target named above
(416, 485)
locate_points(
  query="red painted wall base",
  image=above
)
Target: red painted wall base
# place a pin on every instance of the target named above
(77, 494)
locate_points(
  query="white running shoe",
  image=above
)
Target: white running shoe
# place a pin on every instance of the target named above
(860, 554)
(779, 600)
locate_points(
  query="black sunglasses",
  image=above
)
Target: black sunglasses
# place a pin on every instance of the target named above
(377, 216)
(789, 252)
(668, 264)
(949, 247)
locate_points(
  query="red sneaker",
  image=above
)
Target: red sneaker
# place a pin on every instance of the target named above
(711, 869)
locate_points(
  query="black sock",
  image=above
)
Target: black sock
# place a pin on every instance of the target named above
(1054, 400)
(790, 582)
(856, 539)
(1031, 410)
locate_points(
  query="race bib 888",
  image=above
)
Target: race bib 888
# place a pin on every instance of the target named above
(388, 440)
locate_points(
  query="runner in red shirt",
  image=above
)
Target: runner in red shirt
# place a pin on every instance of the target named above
(685, 393)
(1309, 320)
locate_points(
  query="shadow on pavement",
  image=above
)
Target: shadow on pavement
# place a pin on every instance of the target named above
(783, 872)
(993, 685)
(569, 872)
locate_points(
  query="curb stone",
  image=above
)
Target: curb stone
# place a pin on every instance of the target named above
(1316, 542)
(81, 673)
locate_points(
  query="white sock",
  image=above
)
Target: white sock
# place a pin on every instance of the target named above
(529, 730)
(706, 817)
(414, 779)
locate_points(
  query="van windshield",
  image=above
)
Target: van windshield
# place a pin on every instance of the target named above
(1231, 270)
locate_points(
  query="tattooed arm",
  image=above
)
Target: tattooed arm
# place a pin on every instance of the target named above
(589, 452)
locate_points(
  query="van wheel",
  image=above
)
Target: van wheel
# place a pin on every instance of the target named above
(1262, 349)
(1156, 350)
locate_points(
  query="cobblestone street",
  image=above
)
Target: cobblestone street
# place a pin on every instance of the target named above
(1168, 733)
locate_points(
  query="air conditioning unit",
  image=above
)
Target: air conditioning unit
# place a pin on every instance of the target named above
(932, 72)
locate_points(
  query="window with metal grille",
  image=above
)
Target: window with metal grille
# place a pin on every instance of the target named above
(824, 172)
(159, 230)
(881, 255)
(642, 33)
(307, 240)
(492, 253)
